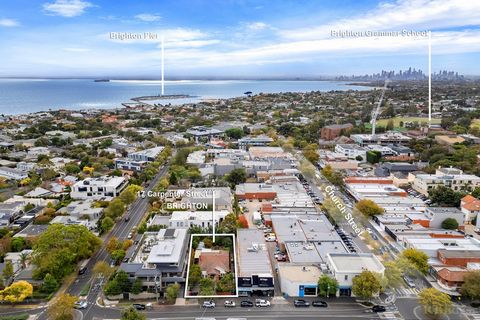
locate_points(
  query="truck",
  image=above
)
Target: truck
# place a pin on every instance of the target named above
(83, 266)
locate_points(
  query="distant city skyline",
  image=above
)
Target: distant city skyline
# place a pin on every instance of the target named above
(241, 39)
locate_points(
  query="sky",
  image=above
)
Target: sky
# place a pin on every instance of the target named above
(235, 38)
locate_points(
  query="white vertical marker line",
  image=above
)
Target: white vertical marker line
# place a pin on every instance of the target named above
(213, 214)
(163, 68)
(429, 78)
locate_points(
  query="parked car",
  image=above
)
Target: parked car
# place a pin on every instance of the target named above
(130, 236)
(127, 218)
(208, 304)
(319, 303)
(80, 304)
(301, 303)
(139, 306)
(378, 308)
(246, 303)
(229, 304)
(262, 303)
(270, 239)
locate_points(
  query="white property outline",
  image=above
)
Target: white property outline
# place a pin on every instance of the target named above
(186, 295)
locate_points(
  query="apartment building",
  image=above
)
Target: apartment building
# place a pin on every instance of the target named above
(451, 178)
(97, 188)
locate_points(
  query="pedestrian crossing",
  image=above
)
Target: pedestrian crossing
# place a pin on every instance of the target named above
(389, 315)
(475, 316)
(401, 292)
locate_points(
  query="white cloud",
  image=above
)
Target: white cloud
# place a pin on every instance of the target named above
(418, 14)
(148, 17)
(66, 8)
(8, 23)
(257, 26)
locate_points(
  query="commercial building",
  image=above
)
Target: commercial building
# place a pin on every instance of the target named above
(372, 188)
(298, 280)
(352, 151)
(148, 155)
(383, 139)
(258, 141)
(258, 191)
(97, 188)
(203, 133)
(436, 215)
(451, 178)
(335, 130)
(345, 266)
(255, 274)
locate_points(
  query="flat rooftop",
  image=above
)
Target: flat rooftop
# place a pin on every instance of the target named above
(298, 273)
(355, 262)
(253, 258)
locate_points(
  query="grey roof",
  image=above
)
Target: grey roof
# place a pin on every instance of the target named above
(252, 251)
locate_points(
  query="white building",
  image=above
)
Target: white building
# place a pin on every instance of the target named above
(451, 178)
(202, 219)
(97, 188)
(146, 155)
(346, 266)
(352, 151)
(298, 280)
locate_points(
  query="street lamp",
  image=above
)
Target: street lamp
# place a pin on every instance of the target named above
(328, 289)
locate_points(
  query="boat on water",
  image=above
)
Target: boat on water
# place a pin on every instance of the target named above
(101, 80)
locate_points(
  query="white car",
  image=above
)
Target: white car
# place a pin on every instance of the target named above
(229, 304)
(81, 304)
(208, 304)
(270, 239)
(262, 303)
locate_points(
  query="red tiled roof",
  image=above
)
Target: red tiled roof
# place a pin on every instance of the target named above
(211, 262)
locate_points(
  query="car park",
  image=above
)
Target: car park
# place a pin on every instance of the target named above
(229, 304)
(301, 303)
(262, 303)
(208, 304)
(319, 303)
(246, 303)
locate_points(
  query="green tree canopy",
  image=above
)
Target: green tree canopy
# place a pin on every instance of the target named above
(132, 314)
(366, 285)
(471, 285)
(327, 286)
(237, 176)
(417, 258)
(450, 224)
(60, 248)
(368, 207)
(434, 302)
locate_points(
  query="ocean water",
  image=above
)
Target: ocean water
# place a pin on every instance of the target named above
(19, 96)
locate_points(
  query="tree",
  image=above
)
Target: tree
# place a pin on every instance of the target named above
(107, 224)
(450, 224)
(476, 193)
(242, 222)
(333, 176)
(194, 275)
(237, 176)
(132, 314)
(7, 270)
(235, 133)
(226, 283)
(327, 286)
(101, 268)
(137, 286)
(374, 156)
(393, 273)
(61, 307)
(122, 279)
(444, 196)
(366, 285)
(434, 302)
(368, 208)
(16, 292)
(207, 287)
(58, 250)
(50, 284)
(118, 255)
(310, 152)
(173, 180)
(172, 292)
(115, 208)
(418, 258)
(471, 285)
(113, 244)
(130, 194)
(18, 244)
